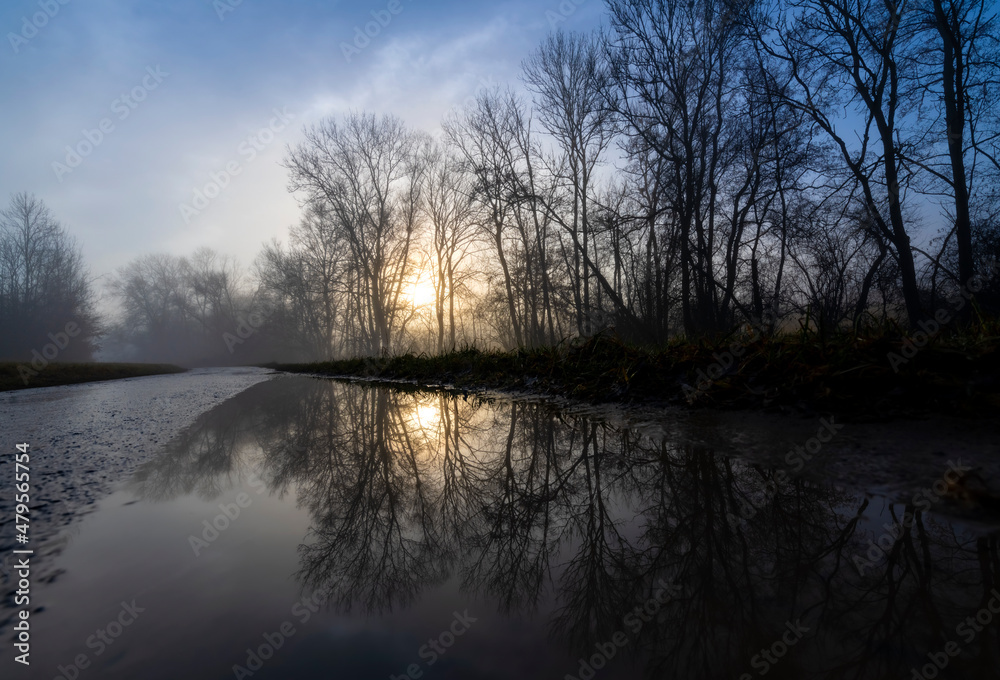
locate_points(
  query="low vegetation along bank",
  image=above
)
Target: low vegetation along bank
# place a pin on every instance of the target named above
(859, 378)
(18, 376)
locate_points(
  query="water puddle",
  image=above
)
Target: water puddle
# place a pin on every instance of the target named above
(317, 529)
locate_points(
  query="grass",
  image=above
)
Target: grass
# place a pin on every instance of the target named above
(14, 376)
(861, 378)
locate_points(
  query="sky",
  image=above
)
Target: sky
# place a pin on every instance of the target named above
(124, 116)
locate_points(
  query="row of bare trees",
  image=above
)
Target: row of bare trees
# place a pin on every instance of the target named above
(695, 166)
(189, 310)
(699, 165)
(192, 310)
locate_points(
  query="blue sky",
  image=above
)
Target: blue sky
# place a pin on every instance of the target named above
(155, 99)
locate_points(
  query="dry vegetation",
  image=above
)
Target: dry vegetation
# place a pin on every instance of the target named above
(956, 373)
(70, 373)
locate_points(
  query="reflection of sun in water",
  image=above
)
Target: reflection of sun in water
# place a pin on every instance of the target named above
(422, 293)
(427, 416)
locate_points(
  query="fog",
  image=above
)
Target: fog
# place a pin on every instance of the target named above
(369, 182)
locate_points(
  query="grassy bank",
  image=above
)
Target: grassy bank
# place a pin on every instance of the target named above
(861, 378)
(19, 376)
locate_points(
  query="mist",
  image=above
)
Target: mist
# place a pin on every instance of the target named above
(614, 181)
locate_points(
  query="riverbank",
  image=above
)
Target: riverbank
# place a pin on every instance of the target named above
(20, 376)
(856, 378)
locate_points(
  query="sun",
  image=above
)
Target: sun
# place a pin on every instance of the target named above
(426, 416)
(422, 293)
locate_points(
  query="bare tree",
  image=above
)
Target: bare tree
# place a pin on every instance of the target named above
(486, 136)
(155, 322)
(44, 284)
(957, 65)
(849, 52)
(193, 311)
(674, 68)
(449, 207)
(366, 171)
(214, 286)
(569, 78)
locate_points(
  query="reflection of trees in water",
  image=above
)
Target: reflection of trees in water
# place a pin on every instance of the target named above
(533, 509)
(202, 460)
(375, 538)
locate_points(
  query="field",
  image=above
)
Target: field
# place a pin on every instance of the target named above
(19, 376)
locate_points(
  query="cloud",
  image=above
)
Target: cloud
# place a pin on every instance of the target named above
(226, 76)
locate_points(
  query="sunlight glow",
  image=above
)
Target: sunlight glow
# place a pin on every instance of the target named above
(428, 415)
(422, 294)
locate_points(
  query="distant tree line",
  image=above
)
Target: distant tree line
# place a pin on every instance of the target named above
(696, 166)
